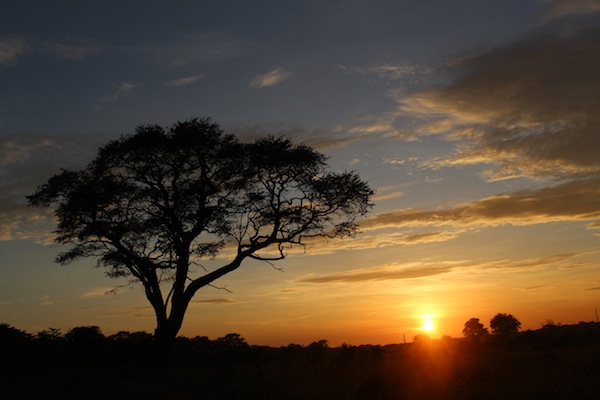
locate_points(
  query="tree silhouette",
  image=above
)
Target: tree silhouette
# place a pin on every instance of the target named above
(85, 335)
(50, 335)
(504, 324)
(474, 329)
(155, 203)
(232, 340)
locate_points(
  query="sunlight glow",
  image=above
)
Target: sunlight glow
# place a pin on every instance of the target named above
(428, 325)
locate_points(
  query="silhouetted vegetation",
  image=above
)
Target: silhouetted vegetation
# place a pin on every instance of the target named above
(554, 362)
(504, 324)
(474, 329)
(154, 204)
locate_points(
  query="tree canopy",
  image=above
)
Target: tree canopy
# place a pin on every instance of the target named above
(504, 324)
(473, 328)
(155, 202)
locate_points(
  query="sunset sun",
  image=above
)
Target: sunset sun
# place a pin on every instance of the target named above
(428, 325)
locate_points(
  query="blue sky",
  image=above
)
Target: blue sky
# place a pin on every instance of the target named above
(475, 121)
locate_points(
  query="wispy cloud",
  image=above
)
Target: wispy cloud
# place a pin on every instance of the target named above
(188, 80)
(375, 126)
(389, 73)
(136, 312)
(571, 201)
(383, 195)
(71, 49)
(15, 150)
(214, 301)
(270, 78)
(47, 301)
(26, 161)
(12, 49)
(17, 176)
(376, 239)
(116, 92)
(423, 269)
(562, 8)
(320, 139)
(97, 292)
(378, 275)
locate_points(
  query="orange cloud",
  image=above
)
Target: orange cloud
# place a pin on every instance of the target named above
(563, 8)
(431, 268)
(377, 274)
(270, 78)
(571, 201)
(214, 301)
(528, 109)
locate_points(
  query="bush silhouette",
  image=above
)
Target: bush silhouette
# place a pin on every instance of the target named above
(504, 324)
(474, 329)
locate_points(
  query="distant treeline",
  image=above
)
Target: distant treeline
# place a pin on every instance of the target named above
(88, 345)
(554, 362)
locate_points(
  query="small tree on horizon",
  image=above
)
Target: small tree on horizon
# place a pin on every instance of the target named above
(158, 202)
(504, 324)
(474, 329)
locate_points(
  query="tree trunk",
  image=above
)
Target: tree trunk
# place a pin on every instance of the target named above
(166, 333)
(164, 338)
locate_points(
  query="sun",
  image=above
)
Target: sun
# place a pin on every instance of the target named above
(428, 325)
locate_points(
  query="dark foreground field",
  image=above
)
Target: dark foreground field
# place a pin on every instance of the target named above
(552, 363)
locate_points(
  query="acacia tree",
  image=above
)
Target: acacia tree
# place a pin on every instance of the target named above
(154, 203)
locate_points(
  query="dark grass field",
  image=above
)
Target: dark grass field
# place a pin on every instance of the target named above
(531, 366)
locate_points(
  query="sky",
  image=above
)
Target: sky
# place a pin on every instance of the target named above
(476, 122)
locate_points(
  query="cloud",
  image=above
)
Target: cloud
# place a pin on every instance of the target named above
(423, 269)
(375, 126)
(556, 260)
(319, 139)
(534, 288)
(97, 292)
(46, 301)
(12, 49)
(570, 201)
(562, 8)
(392, 161)
(17, 221)
(15, 150)
(528, 109)
(387, 196)
(116, 92)
(594, 225)
(389, 73)
(75, 49)
(214, 301)
(371, 238)
(378, 274)
(183, 81)
(27, 161)
(137, 312)
(270, 78)
(386, 125)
